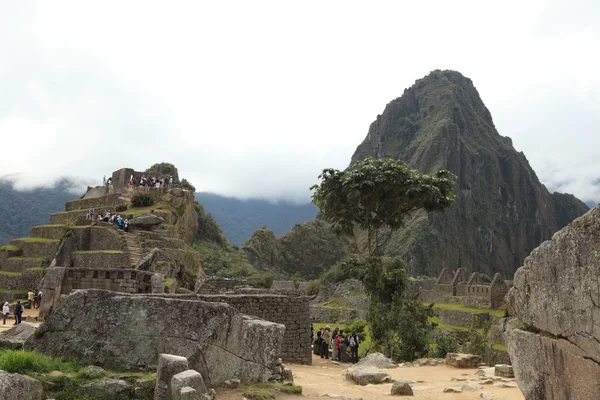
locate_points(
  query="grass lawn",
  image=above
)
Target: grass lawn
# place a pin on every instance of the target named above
(37, 239)
(462, 307)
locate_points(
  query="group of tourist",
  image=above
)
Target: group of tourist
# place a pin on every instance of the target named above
(120, 222)
(34, 298)
(340, 344)
(152, 181)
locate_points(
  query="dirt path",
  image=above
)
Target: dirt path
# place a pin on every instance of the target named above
(30, 313)
(324, 380)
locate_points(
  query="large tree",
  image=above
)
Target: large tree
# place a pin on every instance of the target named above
(373, 198)
(379, 194)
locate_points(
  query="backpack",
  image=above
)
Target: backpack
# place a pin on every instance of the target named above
(352, 341)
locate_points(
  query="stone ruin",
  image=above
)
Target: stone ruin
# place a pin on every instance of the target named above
(554, 327)
(130, 331)
(107, 290)
(455, 286)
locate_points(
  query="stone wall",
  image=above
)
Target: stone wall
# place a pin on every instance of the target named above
(285, 285)
(85, 204)
(463, 318)
(217, 285)
(117, 280)
(99, 259)
(293, 312)
(341, 316)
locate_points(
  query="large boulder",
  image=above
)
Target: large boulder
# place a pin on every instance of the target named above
(553, 335)
(376, 360)
(460, 360)
(146, 220)
(109, 389)
(115, 329)
(15, 337)
(19, 387)
(364, 375)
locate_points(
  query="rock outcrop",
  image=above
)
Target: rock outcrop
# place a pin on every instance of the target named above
(502, 210)
(19, 387)
(114, 329)
(553, 335)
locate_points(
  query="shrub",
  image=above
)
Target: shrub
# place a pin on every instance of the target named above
(142, 200)
(445, 342)
(313, 288)
(121, 207)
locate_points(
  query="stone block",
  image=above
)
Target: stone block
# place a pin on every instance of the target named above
(504, 371)
(188, 378)
(460, 360)
(188, 393)
(168, 366)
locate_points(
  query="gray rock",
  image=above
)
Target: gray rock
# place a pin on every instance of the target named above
(210, 395)
(146, 221)
(287, 375)
(504, 370)
(93, 369)
(132, 330)
(460, 360)
(168, 366)
(363, 375)
(19, 387)
(487, 396)
(109, 389)
(187, 393)
(452, 390)
(401, 388)
(377, 360)
(471, 387)
(188, 378)
(232, 383)
(15, 337)
(553, 338)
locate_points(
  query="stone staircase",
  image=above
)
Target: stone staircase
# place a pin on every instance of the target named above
(133, 248)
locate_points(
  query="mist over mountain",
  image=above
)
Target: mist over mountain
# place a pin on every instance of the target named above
(20, 210)
(239, 219)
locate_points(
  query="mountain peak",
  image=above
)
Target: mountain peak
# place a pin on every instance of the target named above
(502, 211)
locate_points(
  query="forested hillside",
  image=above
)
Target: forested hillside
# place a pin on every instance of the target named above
(239, 219)
(19, 211)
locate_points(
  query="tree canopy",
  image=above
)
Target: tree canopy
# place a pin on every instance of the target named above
(374, 194)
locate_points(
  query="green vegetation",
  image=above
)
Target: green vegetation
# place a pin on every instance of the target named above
(473, 310)
(2, 272)
(121, 207)
(377, 196)
(99, 251)
(20, 210)
(263, 391)
(239, 219)
(27, 362)
(37, 239)
(142, 200)
(9, 247)
(162, 170)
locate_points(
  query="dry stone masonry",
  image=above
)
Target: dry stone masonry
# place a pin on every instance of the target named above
(108, 328)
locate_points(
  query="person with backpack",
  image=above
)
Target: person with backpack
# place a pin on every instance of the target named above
(342, 347)
(317, 343)
(19, 309)
(353, 343)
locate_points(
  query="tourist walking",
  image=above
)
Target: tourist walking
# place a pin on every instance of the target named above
(326, 336)
(5, 312)
(317, 343)
(18, 313)
(353, 343)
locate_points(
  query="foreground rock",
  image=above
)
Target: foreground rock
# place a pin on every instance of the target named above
(146, 220)
(109, 389)
(401, 388)
(553, 338)
(108, 328)
(364, 375)
(460, 360)
(15, 337)
(19, 387)
(376, 360)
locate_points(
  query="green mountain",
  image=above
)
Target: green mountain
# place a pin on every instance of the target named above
(239, 219)
(20, 210)
(502, 211)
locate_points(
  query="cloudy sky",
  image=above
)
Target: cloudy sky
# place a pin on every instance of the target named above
(254, 98)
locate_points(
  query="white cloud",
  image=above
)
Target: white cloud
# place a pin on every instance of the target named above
(255, 98)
